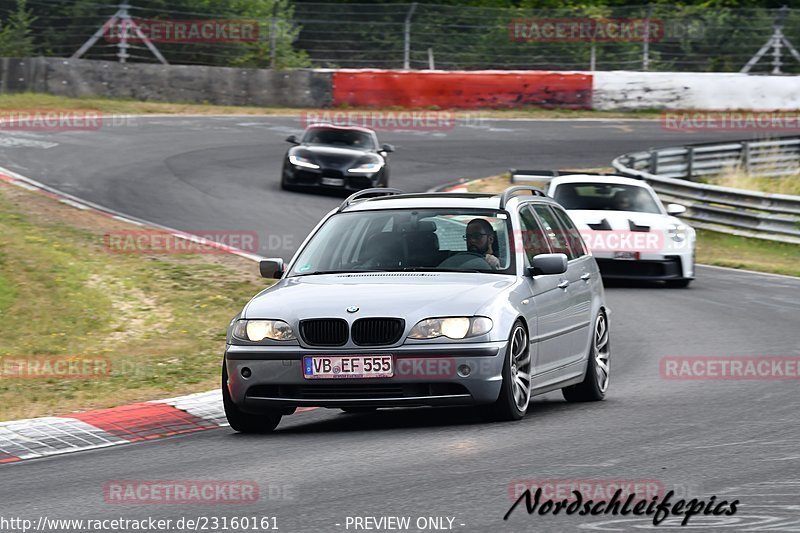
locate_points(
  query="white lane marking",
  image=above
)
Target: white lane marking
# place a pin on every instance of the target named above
(7, 141)
(744, 271)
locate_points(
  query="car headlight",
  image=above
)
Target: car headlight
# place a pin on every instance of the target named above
(452, 327)
(366, 167)
(258, 330)
(303, 162)
(677, 232)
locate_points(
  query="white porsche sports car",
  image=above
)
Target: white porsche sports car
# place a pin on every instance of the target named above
(629, 231)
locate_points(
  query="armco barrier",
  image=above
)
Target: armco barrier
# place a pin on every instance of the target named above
(750, 213)
(463, 90)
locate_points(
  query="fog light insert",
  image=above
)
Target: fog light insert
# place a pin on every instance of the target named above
(246, 372)
(464, 370)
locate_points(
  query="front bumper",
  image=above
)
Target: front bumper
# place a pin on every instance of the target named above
(662, 268)
(423, 376)
(330, 179)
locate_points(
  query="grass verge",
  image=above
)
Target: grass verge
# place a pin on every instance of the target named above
(149, 325)
(30, 101)
(713, 248)
(778, 184)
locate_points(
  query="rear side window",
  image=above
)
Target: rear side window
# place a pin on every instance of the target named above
(556, 233)
(574, 236)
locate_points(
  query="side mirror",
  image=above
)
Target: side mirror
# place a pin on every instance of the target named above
(675, 209)
(387, 148)
(272, 268)
(548, 264)
(292, 139)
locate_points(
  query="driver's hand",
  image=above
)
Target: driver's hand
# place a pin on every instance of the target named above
(493, 261)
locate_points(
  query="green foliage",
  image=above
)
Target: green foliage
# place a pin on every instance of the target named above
(16, 36)
(64, 27)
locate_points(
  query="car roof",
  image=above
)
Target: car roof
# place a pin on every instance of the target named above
(433, 200)
(591, 178)
(338, 127)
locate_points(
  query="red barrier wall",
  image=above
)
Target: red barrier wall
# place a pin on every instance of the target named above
(462, 90)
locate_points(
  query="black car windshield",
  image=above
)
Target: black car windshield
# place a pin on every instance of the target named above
(443, 240)
(605, 196)
(339, 137)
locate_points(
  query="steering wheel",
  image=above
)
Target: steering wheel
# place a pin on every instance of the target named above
(464, 260)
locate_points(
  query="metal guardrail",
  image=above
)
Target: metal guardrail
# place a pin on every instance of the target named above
(768, 216)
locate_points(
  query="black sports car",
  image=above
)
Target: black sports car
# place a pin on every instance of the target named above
(336, 157)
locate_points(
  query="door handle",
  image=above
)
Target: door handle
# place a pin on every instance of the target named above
(586, 277)
(564, 284)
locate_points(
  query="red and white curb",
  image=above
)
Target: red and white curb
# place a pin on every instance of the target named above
(42, 437)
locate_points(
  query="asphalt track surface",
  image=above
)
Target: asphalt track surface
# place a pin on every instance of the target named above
(730, 439)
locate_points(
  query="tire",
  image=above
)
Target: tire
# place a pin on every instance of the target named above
(245, 422)
(354, 410)
(515, 392)
(595, 382)
(678, 283)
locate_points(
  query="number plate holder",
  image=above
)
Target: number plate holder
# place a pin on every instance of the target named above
(348, 366)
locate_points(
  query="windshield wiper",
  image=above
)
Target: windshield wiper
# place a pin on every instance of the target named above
(437, 269)
(337, 272)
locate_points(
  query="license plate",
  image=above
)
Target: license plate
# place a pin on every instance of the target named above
(627, 256)
(336, 182)
(348, 366)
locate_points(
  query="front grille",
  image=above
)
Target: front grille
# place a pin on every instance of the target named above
(317, 392)
(360, 182)
(645, 269)
(377, 331)
(351, 391)
(324, 331)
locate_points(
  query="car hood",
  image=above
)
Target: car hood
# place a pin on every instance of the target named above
(409, 295)
(332, 156)
(619, 220)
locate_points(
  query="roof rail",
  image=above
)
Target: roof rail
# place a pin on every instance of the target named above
(511, 191)
(355, 196)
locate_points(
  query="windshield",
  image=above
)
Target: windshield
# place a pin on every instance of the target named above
(339, 137)
(410, 240)
(605, 196)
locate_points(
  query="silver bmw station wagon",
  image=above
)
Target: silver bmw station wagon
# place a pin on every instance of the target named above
(423, 299)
